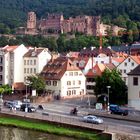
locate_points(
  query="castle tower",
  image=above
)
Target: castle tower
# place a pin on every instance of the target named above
(31, 21)
(96, 25)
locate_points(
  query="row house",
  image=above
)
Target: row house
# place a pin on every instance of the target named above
(11, 64)
(127, 66)
(63, 78)
(35, 60)
(134, 88)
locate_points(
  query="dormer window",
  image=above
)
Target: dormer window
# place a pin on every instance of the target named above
(125, 64)
(33, 54)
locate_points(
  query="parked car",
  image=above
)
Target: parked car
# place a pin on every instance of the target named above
(115, 109)
(13, 104)
(8, 104)
(92, 119)
(17, 104)
(29, 108)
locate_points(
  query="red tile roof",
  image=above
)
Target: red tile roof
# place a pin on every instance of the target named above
(118, 59)
(96, 70)
(55, 69)
(9, 48)
(33, 52)
(80, 59)
(136, 59)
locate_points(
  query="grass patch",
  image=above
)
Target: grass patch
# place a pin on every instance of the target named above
(53, 129)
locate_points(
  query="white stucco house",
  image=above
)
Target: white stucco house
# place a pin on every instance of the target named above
(134, 88)
(11, 64)
(34, 61)
(127, 66)
(63, 78)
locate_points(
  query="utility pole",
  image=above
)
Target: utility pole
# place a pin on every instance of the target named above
(108, 87)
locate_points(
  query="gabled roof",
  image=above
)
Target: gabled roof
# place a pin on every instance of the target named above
(96, 70)
(79, 60)
(135, 58)
(9, 48)
(33, 52)
(96, 51)
(135, 71)
(110, 66)
(118, 59)
(56, 68)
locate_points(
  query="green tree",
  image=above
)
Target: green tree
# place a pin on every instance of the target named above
(118, 90)
(36, 82)
(7, 89)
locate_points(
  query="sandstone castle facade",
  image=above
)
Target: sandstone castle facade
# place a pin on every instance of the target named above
(56, 24)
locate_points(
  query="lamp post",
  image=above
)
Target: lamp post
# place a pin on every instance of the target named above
(108, 87)
(26, 108)
(1, 100)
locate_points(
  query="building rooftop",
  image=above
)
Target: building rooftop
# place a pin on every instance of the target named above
(135, 71)
(56, 68)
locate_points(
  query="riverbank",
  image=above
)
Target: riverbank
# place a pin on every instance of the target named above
(53, 129)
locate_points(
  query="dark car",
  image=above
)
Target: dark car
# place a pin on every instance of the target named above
(29, 108)
(115, 109)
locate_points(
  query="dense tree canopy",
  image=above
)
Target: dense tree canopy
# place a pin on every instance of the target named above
(36, 82)
(118, 89)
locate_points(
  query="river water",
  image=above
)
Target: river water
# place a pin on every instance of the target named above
(10, 133)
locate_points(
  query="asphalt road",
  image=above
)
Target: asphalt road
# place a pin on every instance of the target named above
(60, 110)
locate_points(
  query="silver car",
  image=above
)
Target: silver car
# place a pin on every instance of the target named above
(92, 119)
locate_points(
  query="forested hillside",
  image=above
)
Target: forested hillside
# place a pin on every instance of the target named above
(13, 12)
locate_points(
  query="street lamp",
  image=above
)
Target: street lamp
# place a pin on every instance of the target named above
(108, 87)
(26, 108)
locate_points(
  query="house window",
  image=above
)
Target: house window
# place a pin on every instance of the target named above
(79, 82)
(1, 60)
(132, 64)
(0, 77)
(24, 70)
(120, 71)
(68, 92)
(102, 62)
(48, 83)
(27, 70)
(30, 62)
(73, 82)
(1, 68)
(70, 73)
(34, 70)
(27, 62)
(128, 59)
(135, 81)
(73, 92)
(34, 62)
(31, 70)
(24, 62)
(68, 82)
(124, 71)
(125, 64)
(76, 73)
(54, 83)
